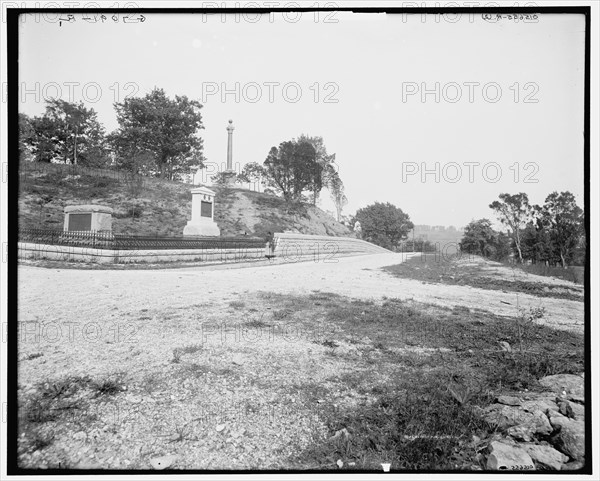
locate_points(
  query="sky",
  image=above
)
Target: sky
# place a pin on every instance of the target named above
(436, 115)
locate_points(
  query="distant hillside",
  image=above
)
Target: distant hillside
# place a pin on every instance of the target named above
(437, 234)
(161, 207)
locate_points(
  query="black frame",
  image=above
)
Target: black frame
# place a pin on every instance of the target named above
(13, 188)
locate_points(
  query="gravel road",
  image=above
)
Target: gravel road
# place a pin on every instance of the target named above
(87, 294)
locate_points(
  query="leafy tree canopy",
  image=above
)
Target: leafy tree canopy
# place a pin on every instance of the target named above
(67, 132)
(384, 224)
(161, 133)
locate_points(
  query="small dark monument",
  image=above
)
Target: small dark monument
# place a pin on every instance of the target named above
(88, 218)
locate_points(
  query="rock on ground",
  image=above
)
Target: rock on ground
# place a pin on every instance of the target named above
(545, 455)
(510, 458)
(518, 423)
(570, 438)
(571, 384)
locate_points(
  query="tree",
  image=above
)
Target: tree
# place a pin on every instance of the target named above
(252, 172)
(514, 212)
(81, 137)
(564, 219)
(298, 166)
(478, 238)
(290, 168)
(324, 170)
(481, 239)
(164, 128)
(535, 239)
(384, 224)
(27, 137)
(67, 132)
(45, 141)
(336, 187)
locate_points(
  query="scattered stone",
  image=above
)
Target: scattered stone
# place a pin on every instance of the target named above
(505, 346)
(504, 457)
(508, 400)
(342, 433)
(571, 383)
(220, 427)
(340, 463)
(519, 424)
(80, 436)
(545, 455)
(570, 438)
(526, 431)
(573, 466)
(571, 410)
(580, 399)
(163, 462)
(133, 399)
(542, 403)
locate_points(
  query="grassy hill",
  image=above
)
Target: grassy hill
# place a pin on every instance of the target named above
(160, 207)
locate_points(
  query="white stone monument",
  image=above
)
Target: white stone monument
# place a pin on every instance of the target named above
(203, 210)
(88, 218)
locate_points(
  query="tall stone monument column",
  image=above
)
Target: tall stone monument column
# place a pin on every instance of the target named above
(229, 174)
(230, 129)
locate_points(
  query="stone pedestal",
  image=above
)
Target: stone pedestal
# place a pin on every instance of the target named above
(202, 223)
(229, 177)
(88, 218)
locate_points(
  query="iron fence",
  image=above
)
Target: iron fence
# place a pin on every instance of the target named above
(129, 242)
(94, 239)
(108, 240)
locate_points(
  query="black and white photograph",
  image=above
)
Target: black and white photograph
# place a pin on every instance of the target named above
(307, 239)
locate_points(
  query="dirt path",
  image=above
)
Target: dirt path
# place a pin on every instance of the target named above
(69, 294)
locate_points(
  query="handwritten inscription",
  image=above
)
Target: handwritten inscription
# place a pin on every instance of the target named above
(515, 17)
(102, 18)
(522, 467)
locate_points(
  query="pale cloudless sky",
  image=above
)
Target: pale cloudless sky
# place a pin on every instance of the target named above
(358, 84)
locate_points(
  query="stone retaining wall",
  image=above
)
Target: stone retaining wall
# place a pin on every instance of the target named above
(326, 248)
(288, 248)
(110, 256)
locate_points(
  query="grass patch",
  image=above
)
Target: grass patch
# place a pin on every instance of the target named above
(256, 324)
(53, 405)
(421, 372)
(237, 304)
(423, 428)
(438, 269)
(575, 274)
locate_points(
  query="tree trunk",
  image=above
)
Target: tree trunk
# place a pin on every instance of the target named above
(562, 259)
(75, 147)
(518, 244)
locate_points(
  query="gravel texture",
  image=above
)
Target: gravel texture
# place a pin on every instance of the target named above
(228, 400)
